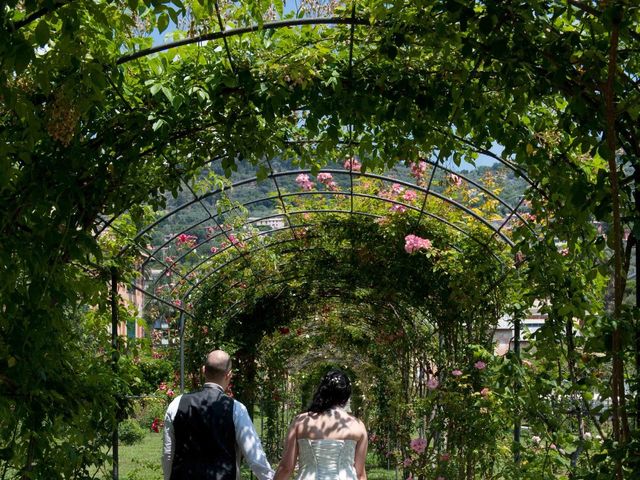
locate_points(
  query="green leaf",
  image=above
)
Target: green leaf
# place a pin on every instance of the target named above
(42, 33)
(158, 124)
(22, 57)
(163, 22)
(168, 94)
(155, 88)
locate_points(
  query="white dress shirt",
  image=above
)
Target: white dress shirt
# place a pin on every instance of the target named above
(248, 444)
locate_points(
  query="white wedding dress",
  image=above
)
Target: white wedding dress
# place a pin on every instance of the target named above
(326, 459)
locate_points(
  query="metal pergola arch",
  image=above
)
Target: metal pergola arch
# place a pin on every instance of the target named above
(427, 191)
(242, 253)
(153, 255)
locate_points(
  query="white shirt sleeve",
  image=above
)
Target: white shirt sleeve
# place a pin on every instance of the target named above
(168, 437)
(249, 443)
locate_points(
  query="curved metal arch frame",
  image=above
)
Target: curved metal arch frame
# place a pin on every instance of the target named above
(352, 21)
(300, 277)
(244, 253)
(267, 246)
(199, 199)
(426, 191)
(302, 212)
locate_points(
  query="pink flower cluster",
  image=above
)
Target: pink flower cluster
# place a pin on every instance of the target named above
(303, 182)
(185, 240)
(327, 179)
(456, 372)
(480, 365)
(235, 241)
(413, 243)
(352, 164)
(397, 189)
(396, 208)
(455, 180)
(409, 196)
(418, 445)
(432, 383)
(324, 177)
(418, 169)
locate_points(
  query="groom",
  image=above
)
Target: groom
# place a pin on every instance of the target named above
(206, 433)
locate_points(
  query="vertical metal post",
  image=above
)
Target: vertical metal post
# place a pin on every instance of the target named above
(181, 323)
(517, 421)
(114, 363)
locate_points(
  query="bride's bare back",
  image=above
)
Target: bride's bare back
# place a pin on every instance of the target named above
(334, 424)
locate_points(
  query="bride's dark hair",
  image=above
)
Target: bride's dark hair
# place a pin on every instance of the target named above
(334, 390)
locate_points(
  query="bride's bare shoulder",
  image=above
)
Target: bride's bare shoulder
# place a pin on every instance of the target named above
(302, 418)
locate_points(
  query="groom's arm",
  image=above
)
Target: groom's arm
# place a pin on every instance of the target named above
(249, 443)
(168, 438)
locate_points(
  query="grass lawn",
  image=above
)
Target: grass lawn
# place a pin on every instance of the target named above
(142, 462)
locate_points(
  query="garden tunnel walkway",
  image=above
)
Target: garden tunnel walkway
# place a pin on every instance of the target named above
(338, 125)
(193, 269)
(212, 237)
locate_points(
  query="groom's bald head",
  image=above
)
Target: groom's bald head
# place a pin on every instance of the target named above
(217, 366)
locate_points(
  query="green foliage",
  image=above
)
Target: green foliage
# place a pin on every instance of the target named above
(153, 372)
(130, 432)
(87, 133)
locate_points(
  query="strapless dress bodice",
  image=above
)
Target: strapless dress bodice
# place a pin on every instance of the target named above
(326, 459)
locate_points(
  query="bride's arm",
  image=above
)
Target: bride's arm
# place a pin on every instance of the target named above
(361, 454)
(290, 454)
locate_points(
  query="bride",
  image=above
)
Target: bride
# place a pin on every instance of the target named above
(328, 443)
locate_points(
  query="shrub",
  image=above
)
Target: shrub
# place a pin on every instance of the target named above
(130, 432)
(153, 371)
(149, 409)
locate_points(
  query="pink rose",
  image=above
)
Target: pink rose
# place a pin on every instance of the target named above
(398, 208)
(456, 372)
(303, 182)
(480, 365)
(325, 178)
(485, 392)
(409, 196)
(418, 445)
(397, 189)
(455, 179)
(413, 243)
(432, 383)
(352, 164)
(418, 169)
